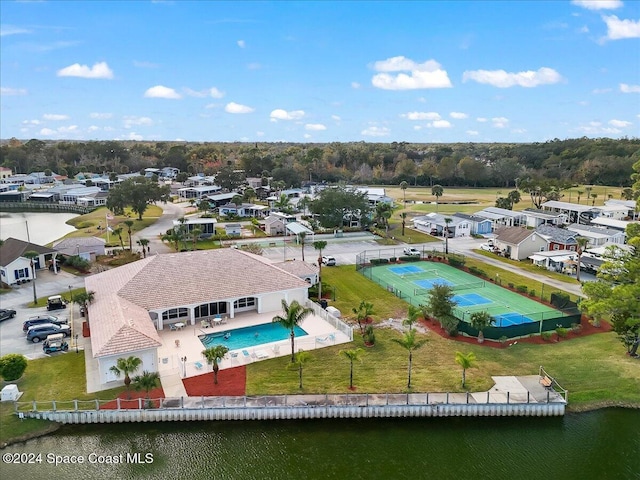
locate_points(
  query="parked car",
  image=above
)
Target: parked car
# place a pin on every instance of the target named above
(42, 319)
(6, 314)
(38, 333)
(328, 261)
(412, 252)
(56, 302)
(486, 247)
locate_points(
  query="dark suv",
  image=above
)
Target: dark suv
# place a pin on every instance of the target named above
(42, 319)
(38, 333)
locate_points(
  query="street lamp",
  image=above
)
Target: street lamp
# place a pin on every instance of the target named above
(184, 366)
(71, 317)
(76, 343)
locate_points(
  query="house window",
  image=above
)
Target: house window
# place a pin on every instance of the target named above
(556, 247)
(210, 309)
(175, 313)
(244, 302)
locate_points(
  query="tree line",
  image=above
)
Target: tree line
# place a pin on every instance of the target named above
(572, 161)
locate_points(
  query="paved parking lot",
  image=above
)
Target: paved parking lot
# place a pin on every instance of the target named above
(12, 339)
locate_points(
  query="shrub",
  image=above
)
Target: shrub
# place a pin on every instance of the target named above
(456, 260)
(503, 339)
(369, 336)
(450, 325)
(78, 262)
(392, 259)
(384, 260)
(522, 288)
(532, 293)
(546, 336)
(562, 332)
(510, 285)
(12, 366)
(576, 327)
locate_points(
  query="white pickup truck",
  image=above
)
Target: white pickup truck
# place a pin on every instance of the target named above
(412, 252)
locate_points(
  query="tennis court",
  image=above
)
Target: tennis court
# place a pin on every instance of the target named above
(471, 294)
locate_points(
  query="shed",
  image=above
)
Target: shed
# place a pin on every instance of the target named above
(10, 393)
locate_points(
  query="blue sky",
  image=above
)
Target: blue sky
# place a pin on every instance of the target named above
(503, 71)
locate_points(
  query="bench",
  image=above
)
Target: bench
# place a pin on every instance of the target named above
(546, 382)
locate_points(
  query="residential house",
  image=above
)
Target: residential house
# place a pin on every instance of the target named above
(435, 224)
(86, 247)
(5, 172)
(536, 217)
(616, 211)
(198, 192)
(207, 225)
(375, 195)
(479, 225)
(598, 236)
(305, 271)
(72, 195)
(631, 206)
(220, 199)
(276, 222)
(575, 212)
(558, 238)
(130, 304)
(557, 260)
(519, 243)
(501, 217)
(233, 229)
(244, 210)
(15, 267)
(612, 223)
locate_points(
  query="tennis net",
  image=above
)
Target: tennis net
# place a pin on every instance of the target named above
(454, 288)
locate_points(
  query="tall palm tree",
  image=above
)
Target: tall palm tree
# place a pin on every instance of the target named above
(126, 366)
(147, 382)
(353, 355)
(579, 192)
(409, 343)
(403, 186)
(173, 236)
(30, 254)
(195, 235)
(213, 354)
(437, 192)
(582, 246)
(319, 245)
(294, 313)
(403, 216)
(84, 299)
(302, 357)
(183, 231)
(480, 321)
(129, 224)
(143, 242)
(447, 221)
(465, 361)
(118, 231)
(301, 237)
(412, 316)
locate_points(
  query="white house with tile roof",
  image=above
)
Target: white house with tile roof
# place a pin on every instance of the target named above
(136, 300)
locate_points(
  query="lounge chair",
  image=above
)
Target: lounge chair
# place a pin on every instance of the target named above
(205, 323)
(198, 365)
(172, 327)
(261, 354)
(246, 353)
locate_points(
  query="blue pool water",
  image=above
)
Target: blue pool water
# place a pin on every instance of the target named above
(403, 270)
(250, 336)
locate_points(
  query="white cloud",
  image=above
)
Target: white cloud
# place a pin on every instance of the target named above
(335, 118)
(160, 91)
(472, 132)
(31, 122)
(208, 92)
(421, 116)
(440, 124)
(598, 4)
(500, 122)
(481, 119)
(12, 92)
(279, 114)
(100, 116)
(99, 70)
(503, 79)
(375, 131)
(60, 131)
(6, 30)
(233, 107)
(618, 29)
(417, 127)
(130, 121)
(215, 93)
(596, 128)
(69, 129)
(307, 136)
(458, 115)
(133, 136)
(421, 75)
(315, 127)
(519, 130)
(241, 43)
(619, 123)
(93, 128)
(260, 134)
(624, 88)
(55, 117)
(47, 132)
(355, 85)
(599, 91)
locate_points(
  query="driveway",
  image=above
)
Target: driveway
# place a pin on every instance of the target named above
(154, 233)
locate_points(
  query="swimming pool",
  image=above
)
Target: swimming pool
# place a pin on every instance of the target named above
(250, 336)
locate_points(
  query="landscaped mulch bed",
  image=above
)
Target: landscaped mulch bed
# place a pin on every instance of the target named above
(130, 399)
(587, 329)
(231, 382)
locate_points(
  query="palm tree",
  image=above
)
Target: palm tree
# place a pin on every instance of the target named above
(363, 312)
(403, 216)
(319, 245)
(126, 366)
(582, 246)
(465, 361)
(437, 192)
(84, 299)
(353, 355)
(249, 194)
(383, 214)
(118, 231)
(409, 343)
(412, 316)
(301, 237)
(480, 321)
(147, 382)
(403, 186)
(183, 230)
(302, 357)
(237, 200)
(294, 313)
(129, 224)
(195, 235)
(31, 254)
(447, 221)
(213, 354)
(579, 192)
(173, 236)
(143, 242)
(594, 196)
(283, 203)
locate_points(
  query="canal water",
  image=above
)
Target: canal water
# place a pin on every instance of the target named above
(44, 227)
(599, 445)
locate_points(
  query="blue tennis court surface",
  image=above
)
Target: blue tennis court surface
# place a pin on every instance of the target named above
(405, 269)
(470, 299)
(507, 319)
(430, 282)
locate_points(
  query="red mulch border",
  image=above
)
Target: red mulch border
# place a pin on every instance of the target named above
(129, 400)
(587, 329)
(231, 382)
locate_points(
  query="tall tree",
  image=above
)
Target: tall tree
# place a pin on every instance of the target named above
(582, 246)
(409, 343)
(337, 206)
(403, 186)
(143, 242)
(352, 355)
(466, 362)
(213, 355)
(126, 366)
(302, 357)
(481, 320)
(294, 313)
(320, 245)
(31, 254)
(84, 299)
(195, 235)
(138, 193)
(129, 224)
(403, 217)
(301, 238)
(447, 221)
(147, 382)
(437, 192)
(118, 232)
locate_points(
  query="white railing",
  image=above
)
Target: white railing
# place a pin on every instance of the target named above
(337, 323)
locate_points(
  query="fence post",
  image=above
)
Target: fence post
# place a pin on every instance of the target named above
(97, 404)
(528, 394)
(508, 397)
(487, 397)
(35, 406)
(118, 402)
(447, 401)
(53, 403)
(139, 403)
(467, 398)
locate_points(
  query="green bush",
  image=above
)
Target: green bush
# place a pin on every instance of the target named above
(562, 332)
(369, 336)
(392, 259)
(546, 336)
(522, 288)
(410, 259)
(78, 262)
(450, 325)
(510, 285)
(12, 366)
(532, 293)
(456, 261)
